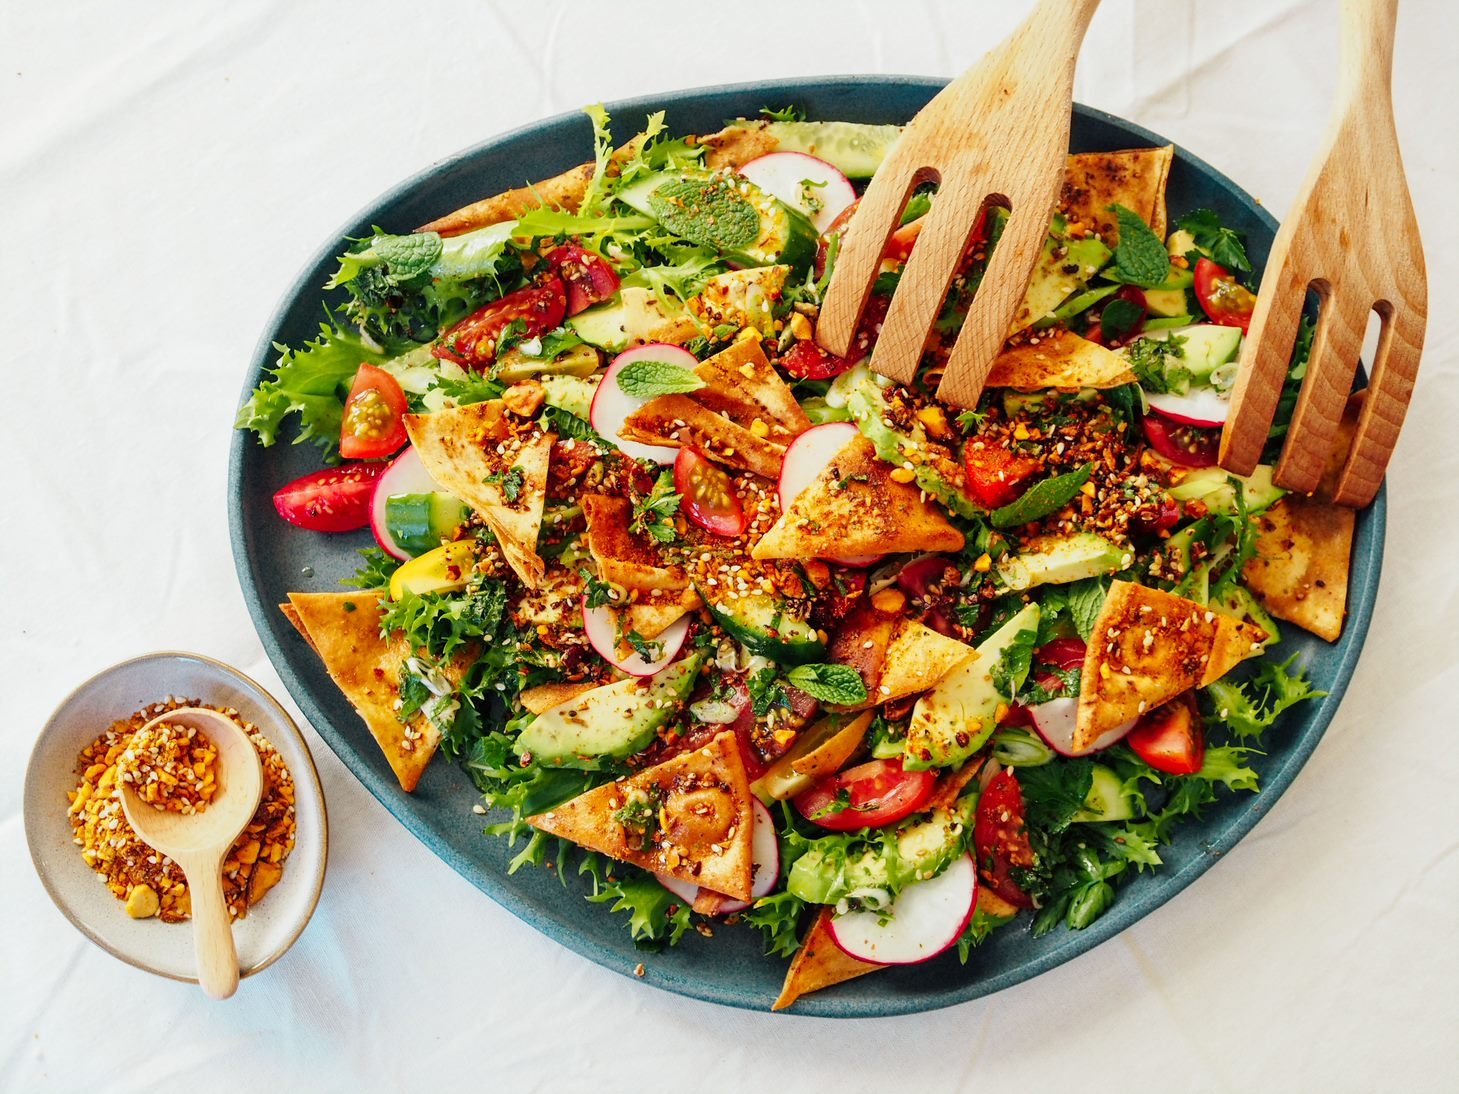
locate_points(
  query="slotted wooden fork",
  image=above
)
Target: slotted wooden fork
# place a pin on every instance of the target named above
(997, 135)
(1353, 238)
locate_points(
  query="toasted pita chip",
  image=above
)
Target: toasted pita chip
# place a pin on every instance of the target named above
(1059, 358)
(679, 420)
(344, 628)
(819, 963)
(917, 659)
(737, 144)
(1148, 646)
(1134, 178)
(701, 818)
(622, 557)
(951, 785)
(854, 507)
(298, 624)
(990, 903)
(546, 696)
(743, 386)
(657, 611)
(1300, 572)
(470, 450)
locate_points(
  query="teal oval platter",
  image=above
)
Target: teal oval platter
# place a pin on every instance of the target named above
(273, 558)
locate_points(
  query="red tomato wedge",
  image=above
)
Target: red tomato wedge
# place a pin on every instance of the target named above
(996, 476)
(1170, 738)
(589, 277)
(808, 361)
(1224, 299)
(707, 495)
(373, 424)
(866, 796)
(1000, 841)
(336, 499)
(1187, 445)
(472, 342)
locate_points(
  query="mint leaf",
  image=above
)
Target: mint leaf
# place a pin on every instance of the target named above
(838, 684)
(710, 212)
(1140, 255)
(1220, 242)
(1118, 318)
(650, 379)
(1086, 600)
(1011, 671)
(408, 256)
(1041, 499)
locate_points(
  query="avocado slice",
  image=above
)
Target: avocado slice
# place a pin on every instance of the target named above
(573, 394)
(1063, 268)
(610, 722)
(956, 718)
(1204, 349)
(1216, 488)
(1058, 560)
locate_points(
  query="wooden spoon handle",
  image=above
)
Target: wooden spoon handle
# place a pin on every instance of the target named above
(1366, 52)
(212, 929)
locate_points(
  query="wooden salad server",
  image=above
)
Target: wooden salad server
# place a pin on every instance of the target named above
(997, 135)
(1352, 237)
(198, 842)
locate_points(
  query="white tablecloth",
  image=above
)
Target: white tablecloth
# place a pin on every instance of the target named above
(164, 171)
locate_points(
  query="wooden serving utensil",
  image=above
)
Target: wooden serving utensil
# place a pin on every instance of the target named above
(1353, 238)
(198, 842)
(997, 135)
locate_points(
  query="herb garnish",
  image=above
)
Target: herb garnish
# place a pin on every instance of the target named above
(650, 379)
(838, 684)
(1140, 255)
(1041, 499)
(654, 515)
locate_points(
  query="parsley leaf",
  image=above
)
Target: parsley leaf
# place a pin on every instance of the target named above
(653, 515)
(838, 684)
(650, 379)
(645, 648)
(1220, 242)
(766, 692)
(1140, 255)
(596, 592)
(1041, 499)
(1011, 671)
(509, 482)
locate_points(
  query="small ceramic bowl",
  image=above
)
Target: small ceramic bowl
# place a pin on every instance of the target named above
(166, 949)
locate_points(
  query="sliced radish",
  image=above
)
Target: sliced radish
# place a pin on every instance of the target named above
(601, 627)
(405, 475)
(612, 405)
(783, 175)
(1055, 720)
(925, 919)
(809, 455)
(1203, 406)
(764, 869)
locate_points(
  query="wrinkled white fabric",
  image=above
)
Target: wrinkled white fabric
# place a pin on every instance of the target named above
(164, 171)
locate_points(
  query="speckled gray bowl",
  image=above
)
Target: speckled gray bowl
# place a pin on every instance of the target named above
(730, 968)
(266, 933)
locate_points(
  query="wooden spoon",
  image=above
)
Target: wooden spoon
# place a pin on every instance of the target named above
(198, 842)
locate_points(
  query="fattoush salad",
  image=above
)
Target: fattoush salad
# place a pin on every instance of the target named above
(752, 637)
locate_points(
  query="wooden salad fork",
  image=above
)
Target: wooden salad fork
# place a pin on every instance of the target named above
(1353, 238)
(997, 135)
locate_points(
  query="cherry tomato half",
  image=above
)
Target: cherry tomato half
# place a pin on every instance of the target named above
(335, 499)
(1187, 445)
(472, 342)
(866, 796)
(373, 424)
(1170, 737)
(996, 476)
(1224, 299)
(589, 277)
(707, 494)
(1000, 841)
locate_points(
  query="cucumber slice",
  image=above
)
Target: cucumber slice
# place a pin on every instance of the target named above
(763, 625)
(1106, 800)
(856, 150)
(422, 522)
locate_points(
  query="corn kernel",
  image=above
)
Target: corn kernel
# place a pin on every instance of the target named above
(984, 563)
(935, 419)
(759, 428)
(800, 327)
(902, 474)
(889, 600)
(1087, 489)
(1020, 432)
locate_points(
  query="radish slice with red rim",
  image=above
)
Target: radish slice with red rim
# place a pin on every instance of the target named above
(686, 891)
(601, 627)
(807, 184)
(924, 920)
(1055, 721)
(405, 475)
(806, 457)
(1202, 406)
(612, 405)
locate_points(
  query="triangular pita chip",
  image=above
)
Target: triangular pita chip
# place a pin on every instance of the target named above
(819, 963)
(546, 696)
(854, 507)
(344, 628)
(476, 453)
(699, 820)
(679, 420)
(292, 615)
(656, 612)
(950, 786)
(622, 557)
(741, 384)
(1134, 178)
(1148, 646)
(917, 659)
(1059, 359)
